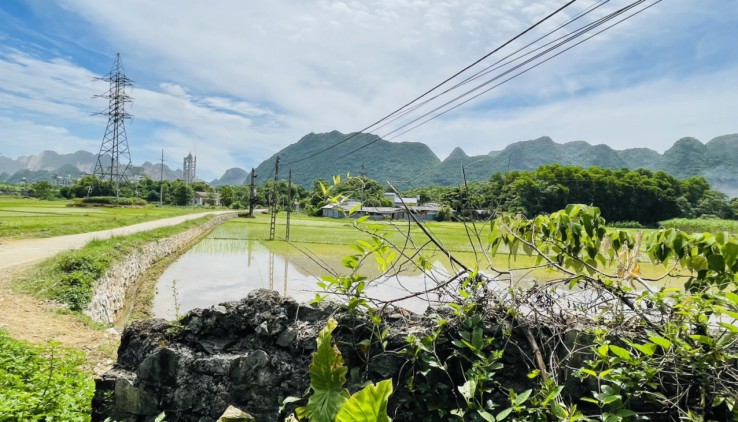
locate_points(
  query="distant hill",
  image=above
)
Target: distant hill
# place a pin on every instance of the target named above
(232, 176)
(46, 165)
(413, 164)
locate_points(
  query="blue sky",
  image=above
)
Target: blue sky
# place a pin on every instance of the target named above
(235, 81)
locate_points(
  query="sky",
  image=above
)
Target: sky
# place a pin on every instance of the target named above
(234, 81)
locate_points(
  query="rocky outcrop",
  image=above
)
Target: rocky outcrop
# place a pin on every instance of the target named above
(249, 354)
(120, 281)
(252, 354)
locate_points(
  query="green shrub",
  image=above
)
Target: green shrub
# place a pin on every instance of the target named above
(83, 261)
(626, 225)
(42, 383)
(112, 200)
(76, 273)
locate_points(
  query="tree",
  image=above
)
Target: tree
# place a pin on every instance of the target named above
(183, 194)
(43, 190)
(713, 203)
(227, 195)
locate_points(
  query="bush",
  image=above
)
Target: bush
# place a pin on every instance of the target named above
(626, 225)
(111, 200)
(42, 382)
(77, 272)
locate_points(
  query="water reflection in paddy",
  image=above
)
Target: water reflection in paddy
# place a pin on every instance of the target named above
(226, 266)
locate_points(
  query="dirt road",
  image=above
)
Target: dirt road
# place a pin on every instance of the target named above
(30, 319)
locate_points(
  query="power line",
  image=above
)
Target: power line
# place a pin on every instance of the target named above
(438, 85)
(571, 36)
(515, 68)
(498, 64)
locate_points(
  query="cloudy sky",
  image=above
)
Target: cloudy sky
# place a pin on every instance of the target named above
(234, 81)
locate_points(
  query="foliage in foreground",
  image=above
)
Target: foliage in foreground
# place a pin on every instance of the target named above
(42, 382)
(331, 402)
(640, 351)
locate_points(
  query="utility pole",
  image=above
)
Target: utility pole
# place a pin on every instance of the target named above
(252, 196)
(289, 203)
(273, 223)
(161, 179)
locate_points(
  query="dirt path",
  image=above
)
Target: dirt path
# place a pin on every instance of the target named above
(30, 319)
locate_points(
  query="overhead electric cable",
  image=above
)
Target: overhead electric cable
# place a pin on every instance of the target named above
(572, 36)
(503, 82)
(498, 64)
(550, 15)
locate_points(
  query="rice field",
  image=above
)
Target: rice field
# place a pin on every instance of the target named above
(327, 241)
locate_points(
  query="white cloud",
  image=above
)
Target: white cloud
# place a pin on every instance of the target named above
(23, 137)
(236, 81)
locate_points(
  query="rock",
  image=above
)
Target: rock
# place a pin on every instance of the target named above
(159, 368)
(234, 414)
(132, 400)
(244, 369)
(286, 337)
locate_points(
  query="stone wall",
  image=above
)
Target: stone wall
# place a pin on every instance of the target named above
(121, 281)
(254, 353)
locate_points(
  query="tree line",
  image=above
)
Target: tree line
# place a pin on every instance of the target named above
(641, 196)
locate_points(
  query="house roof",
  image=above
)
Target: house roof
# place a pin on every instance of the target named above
(426, 208)
(206, 194)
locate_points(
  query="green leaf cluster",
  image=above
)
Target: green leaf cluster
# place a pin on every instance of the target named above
(331, 402)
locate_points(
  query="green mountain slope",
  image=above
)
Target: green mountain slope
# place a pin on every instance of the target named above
(413, 164)
(363, 154)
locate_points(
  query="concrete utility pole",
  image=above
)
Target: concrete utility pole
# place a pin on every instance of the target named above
(289, 203)
(273, 223)
(252, 195)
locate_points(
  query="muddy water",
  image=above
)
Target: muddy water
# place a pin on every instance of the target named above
(227, 265)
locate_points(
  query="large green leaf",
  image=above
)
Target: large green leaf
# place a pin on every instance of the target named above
(327, 376)
(368, 405)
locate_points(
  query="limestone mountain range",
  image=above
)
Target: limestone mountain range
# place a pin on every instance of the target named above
(411, 164)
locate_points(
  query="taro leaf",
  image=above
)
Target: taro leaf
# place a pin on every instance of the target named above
(327, 376)
(368, 405)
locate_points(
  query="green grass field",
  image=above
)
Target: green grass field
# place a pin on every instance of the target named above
(29, 218)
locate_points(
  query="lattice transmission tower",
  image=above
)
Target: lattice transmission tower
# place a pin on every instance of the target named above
(114, 159)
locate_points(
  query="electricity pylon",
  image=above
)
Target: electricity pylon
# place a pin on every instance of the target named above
(115, 142)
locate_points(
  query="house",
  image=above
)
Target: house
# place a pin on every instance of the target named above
(374, 213)
(381, 213)
(398, 201)
(426, 212)
(333, 211)
(203, 198)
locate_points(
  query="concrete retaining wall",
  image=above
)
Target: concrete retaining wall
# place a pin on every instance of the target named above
(122, 279)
